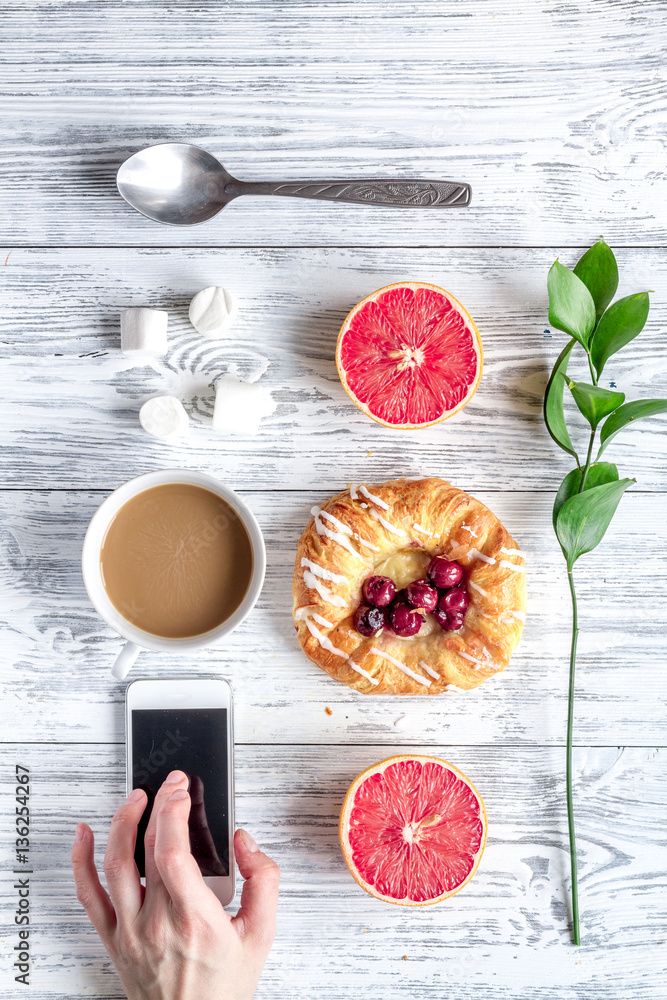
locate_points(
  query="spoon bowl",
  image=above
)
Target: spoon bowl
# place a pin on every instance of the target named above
(179, 184)
(174, 183)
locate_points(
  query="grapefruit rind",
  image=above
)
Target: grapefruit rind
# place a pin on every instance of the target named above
(344, 822)
(470, 324)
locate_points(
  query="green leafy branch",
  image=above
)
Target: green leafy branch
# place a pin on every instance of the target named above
(579, 305)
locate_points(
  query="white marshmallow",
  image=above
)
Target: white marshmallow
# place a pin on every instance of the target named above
(143, 331)
(212, 311)
(164, 417)
(239, 406)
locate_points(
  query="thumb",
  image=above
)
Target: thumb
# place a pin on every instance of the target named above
(259, 898)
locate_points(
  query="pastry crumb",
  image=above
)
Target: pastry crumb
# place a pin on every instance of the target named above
(328, 710)
(404, 959)
(369, 453)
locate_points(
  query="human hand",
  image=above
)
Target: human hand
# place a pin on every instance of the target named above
(172, 940)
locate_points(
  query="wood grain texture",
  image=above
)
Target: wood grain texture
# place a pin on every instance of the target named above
(58, 652)
(70, 399)
(510, 922)
(555, 114)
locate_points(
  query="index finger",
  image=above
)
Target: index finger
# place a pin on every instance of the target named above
(177, 868)
(175, 779)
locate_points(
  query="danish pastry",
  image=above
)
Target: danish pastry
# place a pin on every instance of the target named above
(408, 588)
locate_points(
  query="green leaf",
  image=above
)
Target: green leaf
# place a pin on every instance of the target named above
(598, 474)
(595, 403)
(621, 323)
(626, 414)
(571, 306)
(584, 518)
(554, 414)
(599, 272)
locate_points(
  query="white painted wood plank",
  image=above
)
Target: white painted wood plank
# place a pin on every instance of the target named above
(509, 925)
(57, 652)
(556, 116)
(68, 416)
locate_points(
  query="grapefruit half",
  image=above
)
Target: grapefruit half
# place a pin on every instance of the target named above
(409, 355)
(412, 830)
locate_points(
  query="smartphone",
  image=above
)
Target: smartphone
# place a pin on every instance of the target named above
(186, 724)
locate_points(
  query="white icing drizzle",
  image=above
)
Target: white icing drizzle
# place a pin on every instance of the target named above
(511, 552)
(473, 534)
(313, 583)
(476, 554)
(327, 644)
(364, 505)
(471, 659)
(338, 524)
(335, 536)
(429, 670)
(521, 615)
(371, 496)
(385, 524)
(418, 527)
(303, 613)
(401, 666)
(368, 545)
(517, 569)
(476, 586)
(353, 493)
(326, 574)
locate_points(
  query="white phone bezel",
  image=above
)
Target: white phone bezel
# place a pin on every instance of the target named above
(189, 692)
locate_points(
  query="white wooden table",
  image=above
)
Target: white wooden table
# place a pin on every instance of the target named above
(556, 115)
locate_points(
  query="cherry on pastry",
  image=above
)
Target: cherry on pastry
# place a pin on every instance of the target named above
(379, 591)
(422, 595)
(442, 619)
(454, 600)
(444, 573)
(455, 619)
(405, 620)
(368, 621)
(449, 621)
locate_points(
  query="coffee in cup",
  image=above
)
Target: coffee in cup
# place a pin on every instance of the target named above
(176, 560)
(172, 560)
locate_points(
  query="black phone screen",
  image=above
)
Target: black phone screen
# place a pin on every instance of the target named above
(193, 740)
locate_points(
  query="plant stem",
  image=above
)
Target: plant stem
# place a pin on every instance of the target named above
(582, 485)
(568, 773)
(590, 368)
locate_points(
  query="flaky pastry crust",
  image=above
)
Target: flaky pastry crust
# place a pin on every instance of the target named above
(359, 530)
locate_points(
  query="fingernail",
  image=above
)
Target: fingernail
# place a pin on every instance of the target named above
(80, 833)
(135, 795)
(178, 795)
(175, 776)
(248, 841)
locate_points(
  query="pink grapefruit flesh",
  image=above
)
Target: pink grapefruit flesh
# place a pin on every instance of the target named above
(409, 355)
(412, 830)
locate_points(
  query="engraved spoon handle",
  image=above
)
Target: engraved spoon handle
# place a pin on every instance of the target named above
(415, 194)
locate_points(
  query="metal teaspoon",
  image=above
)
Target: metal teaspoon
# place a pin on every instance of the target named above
(179, 184)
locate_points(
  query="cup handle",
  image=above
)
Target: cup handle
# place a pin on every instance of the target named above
(125, 660)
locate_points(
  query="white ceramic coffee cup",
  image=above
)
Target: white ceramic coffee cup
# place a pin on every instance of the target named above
(92, 574)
